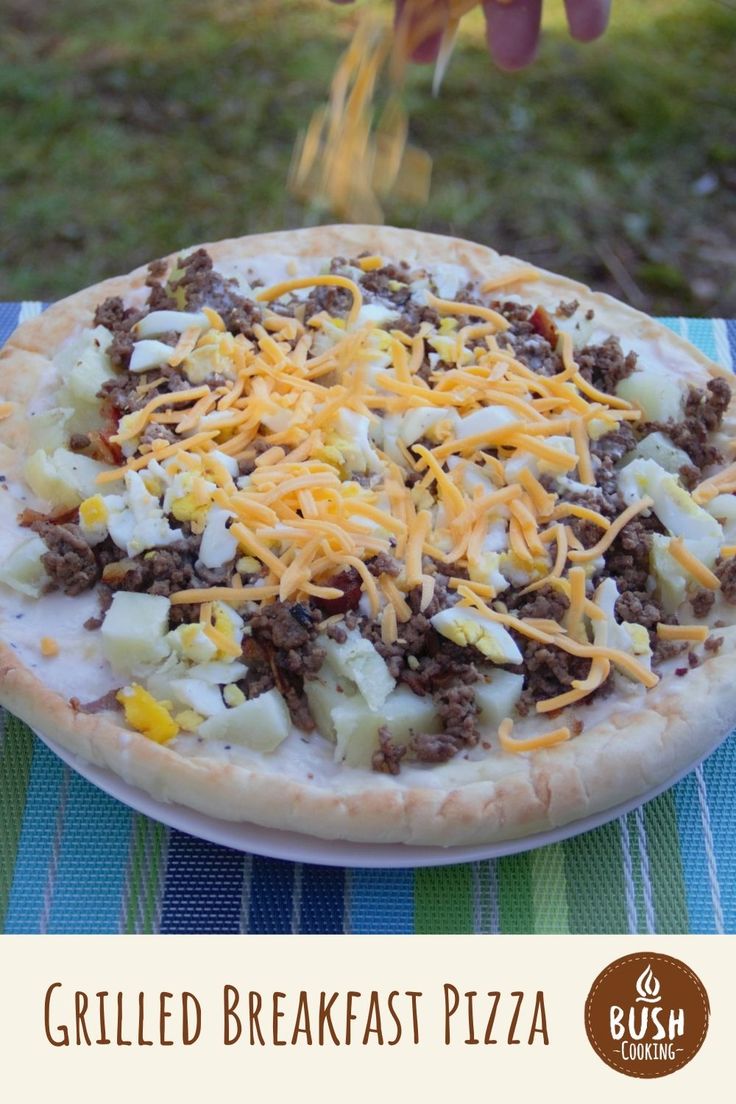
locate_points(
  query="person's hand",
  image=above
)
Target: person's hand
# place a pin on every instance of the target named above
(512, 28)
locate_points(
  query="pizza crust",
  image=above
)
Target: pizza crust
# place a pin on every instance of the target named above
(630, 744)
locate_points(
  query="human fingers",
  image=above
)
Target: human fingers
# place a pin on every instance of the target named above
(428, 44)
(587, 19)
(512, 31)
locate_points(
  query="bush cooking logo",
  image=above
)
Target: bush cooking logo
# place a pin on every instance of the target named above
(647, 1015)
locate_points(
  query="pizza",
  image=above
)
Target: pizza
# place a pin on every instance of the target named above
(370, 534)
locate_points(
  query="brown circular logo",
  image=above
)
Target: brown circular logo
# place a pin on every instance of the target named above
(647, 1014)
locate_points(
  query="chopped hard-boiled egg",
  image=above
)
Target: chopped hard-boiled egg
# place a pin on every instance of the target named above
(136, 521)
(149, 354)
(169, 321)
(218, 545)
(146, 715)
(465, 626)
(671, 578)
(627, 636)
(673, 505)
(351, 439)
(93, 516)
(190, 642)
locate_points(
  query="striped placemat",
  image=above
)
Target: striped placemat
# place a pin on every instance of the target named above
(73, 859)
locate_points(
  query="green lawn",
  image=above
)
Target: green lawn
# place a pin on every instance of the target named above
(131, 129)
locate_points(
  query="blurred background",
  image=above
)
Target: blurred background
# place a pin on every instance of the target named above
(136, 128)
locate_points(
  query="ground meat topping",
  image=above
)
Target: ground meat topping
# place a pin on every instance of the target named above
(387, 760)
(119, 319)
(70, 563)
(703, 415)
(726, 572)
(605, 365)
(283, 650)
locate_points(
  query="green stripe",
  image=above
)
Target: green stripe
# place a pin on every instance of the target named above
(443, 900)
(549, 890)
(665, 865)
(16, 755)
(641, 916)
(595, 881)
(144, 882)
(515, 902)
(485, 910)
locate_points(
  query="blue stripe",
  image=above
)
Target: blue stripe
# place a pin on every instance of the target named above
(719, 771)
(382, 901)
(694, 862)
(271, 896)
(92, 863)
(731, 333)
(203, 889)
(323, 900)
(700, 332)
(8, 319)
(674, 324)
(36, 842)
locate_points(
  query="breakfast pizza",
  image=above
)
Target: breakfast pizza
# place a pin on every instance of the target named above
(369, 534)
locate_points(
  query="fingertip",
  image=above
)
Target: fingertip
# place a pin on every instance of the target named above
(427, 51)
(511, 57)
(512, 32)
(587, 19)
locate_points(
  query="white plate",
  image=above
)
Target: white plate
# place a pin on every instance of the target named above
(276, 844)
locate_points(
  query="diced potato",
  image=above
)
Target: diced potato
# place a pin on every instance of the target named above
(359, 661)
(50, 430)
(84, 366)
(133, 631)
(497, 698)
(659, 448)
(23, 569)
(63, 478)
(658, 393)
(326, 693)
(261, 724)
(356, 726)
(91, 368)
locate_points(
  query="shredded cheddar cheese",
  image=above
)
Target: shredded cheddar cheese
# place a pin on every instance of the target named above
(533, 743)
(693, 565)
(696, 633)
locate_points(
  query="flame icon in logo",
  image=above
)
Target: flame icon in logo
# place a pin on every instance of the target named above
(647, 987)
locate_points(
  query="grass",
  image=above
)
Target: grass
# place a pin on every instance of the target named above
(134, 129)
